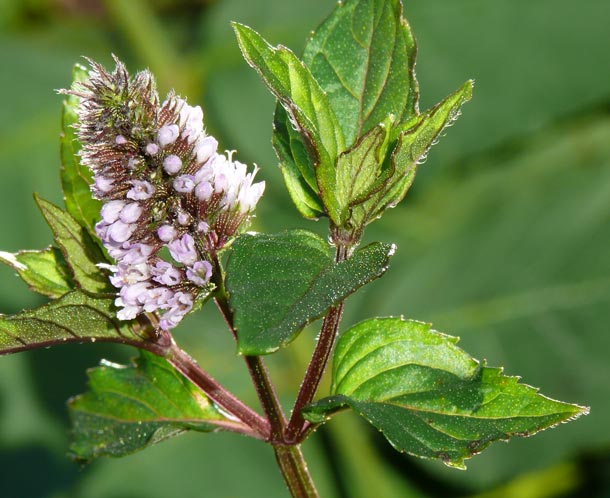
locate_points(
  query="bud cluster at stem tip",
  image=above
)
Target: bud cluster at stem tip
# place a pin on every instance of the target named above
(163, 185)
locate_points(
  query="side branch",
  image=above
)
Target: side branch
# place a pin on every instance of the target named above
(227, 401)
(297, 427)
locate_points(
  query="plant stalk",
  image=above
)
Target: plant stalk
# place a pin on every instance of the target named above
(256, 367)
(297, 426)
(189, 368)
(294, 469)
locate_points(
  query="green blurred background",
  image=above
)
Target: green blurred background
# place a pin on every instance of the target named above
(504, 239)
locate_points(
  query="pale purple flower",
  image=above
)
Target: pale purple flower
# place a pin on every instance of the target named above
(131, 213)
(205, 149)
(111, 210)
(152, 149)
(129, 274)
(183, 250)
(167, 233)
(249, 196)
(120, 232)
(132, 294)
(120, 140)
(184, 218)
(137, 253)
(103, 184)
(184, 184)
(180, 304)
(156, 298)
(141, 190)
(172, 164)
(127, 312)
(191, 119)
(203, 191)
(200, 273)
(203, 227)
(205, 173)
(168, 134)
(166, 274)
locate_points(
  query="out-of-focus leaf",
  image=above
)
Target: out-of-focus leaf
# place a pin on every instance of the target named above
(76, 178)
(80, 251)
(363, 57)
(305, 103)
(279, 283)
(427, 396)
(45, 271)
(129, 408)
(74, 317)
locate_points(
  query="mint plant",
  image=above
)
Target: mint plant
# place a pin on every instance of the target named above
(154, 227)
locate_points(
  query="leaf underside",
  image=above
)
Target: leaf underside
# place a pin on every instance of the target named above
(82, 254)
(427, 396)
(128, 408)
(74, 317)
(44, 271)
(279, 283)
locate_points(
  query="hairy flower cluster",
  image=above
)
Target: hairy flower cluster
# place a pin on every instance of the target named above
(165, 190)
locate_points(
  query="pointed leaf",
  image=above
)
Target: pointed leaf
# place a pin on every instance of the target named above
(427, 396)
(296, 167)
(363, 57)
(128, 408)
(279, 283)
(45, 271)
(75, 317)
(413, 141)
(80, 251)
(359, 169)
(305, 102)
(76, 178)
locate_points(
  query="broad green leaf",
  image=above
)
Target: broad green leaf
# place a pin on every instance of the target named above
(427, 396)
(363, 57)
(74, 317)
(279, 283)
(45, 271)
(413, 141)
(305, 103)
(80, 251)
(76, 178)
(128, 408)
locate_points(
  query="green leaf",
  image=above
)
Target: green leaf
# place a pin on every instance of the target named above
(279, 283)
(76, 178)
(305, 103)
(359, 169)
(45, 271)
(296, 168)
(363, 57)
(80, 251)
(129, 408)
(74, 317)
(413, 141)
(427, 396)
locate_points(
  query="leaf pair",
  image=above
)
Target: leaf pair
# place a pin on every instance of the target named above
(347, 129)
